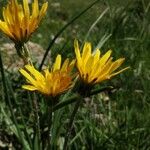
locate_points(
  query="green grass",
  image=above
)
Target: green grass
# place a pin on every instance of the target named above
(116, 120)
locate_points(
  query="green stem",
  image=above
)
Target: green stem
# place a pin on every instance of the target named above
(72, 117)
(35, 105)
(50, 113)
(27, 54)
(23, 52)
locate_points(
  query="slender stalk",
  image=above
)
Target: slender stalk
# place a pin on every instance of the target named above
(27, 55)
(72, 117)
(50, 113)
(23, 52)
(35, 105)
(50, 102)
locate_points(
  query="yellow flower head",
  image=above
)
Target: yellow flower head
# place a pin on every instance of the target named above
(52, 82)
(19, 22)
(94, 68)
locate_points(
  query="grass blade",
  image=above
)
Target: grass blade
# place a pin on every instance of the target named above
(94, 24)
(19, 133)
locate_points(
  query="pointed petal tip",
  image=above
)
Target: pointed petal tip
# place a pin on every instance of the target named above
(76, 44)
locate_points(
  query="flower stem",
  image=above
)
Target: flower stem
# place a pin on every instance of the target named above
(50, 113)
(23, 52)
(35, 105)
(76, 107)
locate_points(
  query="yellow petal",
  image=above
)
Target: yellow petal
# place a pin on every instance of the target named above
(86, 52)
(71, 65)
(26, 8)
(116, 64)
(35, 9)
(78, 56)
(29, 78)
(65, 65)
(5, 29)
(26, 18)
(6, 15)
(105, 57)
(46, 73)
(114, 74)
(57, 63)
(37, 75)
(43, 10)
(105, 68)
(97, 55)
(29, 87)
(99, 72)
(77, 50)
(33, 25)
(88, 65)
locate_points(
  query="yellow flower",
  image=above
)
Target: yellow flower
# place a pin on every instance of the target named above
(19, 22)
(52, 82)
(94, 68)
